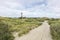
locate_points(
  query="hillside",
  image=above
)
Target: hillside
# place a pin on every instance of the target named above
(22, 26)
(8, 26)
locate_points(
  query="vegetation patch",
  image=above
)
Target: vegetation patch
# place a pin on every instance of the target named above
(22, 26)
(5, 34)
(55, 29)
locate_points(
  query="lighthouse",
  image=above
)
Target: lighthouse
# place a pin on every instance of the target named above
(21, 15)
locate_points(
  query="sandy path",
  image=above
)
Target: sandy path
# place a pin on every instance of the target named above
(40, 33)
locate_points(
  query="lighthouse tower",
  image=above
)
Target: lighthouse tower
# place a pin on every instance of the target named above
(21, 15)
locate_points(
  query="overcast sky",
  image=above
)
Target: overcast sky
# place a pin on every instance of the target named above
(30, 8)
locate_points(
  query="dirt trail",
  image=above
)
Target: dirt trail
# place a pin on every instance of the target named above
(40, 33)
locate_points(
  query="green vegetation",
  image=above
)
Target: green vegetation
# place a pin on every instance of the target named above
(5, 34)
(23, 26)
(55, 28)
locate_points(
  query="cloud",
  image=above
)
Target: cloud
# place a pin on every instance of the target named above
(30, 8)
(54, 6)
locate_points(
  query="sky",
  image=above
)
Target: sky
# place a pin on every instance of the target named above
(30, 8)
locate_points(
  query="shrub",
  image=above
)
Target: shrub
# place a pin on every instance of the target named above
(55, 30)
(4, 32)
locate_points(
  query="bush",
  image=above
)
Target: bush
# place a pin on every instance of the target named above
(55, 29)
(4, 32)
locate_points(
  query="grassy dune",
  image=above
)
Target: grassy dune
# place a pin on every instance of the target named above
(22, 26)
(55, 29)
(5, 34)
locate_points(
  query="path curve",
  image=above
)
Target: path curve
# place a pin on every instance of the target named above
(40, 33)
